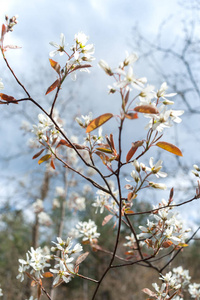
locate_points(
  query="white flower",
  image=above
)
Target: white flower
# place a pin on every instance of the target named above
(160, 290)
(86, 120)
(21, 270)
(77, 248)
(56, 203)
(60, 48)
(62, 273)
(174, 115)
(76, 202)
(161, 92)
(38, 206)
(87, 230)
(130, 59)
(36, 260)
(129, 79)
(155, 169)
(131, 241)
(44, 219)
(159, 121)
(194, 290)
(81, 38)
(60, 192)
(80, 202)
(39, 132)
(146, 95)
(182, 275)
(104, 199)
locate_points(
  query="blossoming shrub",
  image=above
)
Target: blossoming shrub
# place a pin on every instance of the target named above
(164, 234)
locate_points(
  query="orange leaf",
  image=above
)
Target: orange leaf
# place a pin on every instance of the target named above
(52, 164)
(131, 116)
(33, 283)
(53, 86)
(167, 244)
(146, 109)
(170, 148)
(65, 143)
(38, 154)
(103, 157)
(3, 32)
(44, 158)
(112, 141)
(55, 65)
(133, 149)
(106, 219)
(47, 275)
(130, 153)
(98, 122)
(129, 212)
(130, 196)
(8, 98)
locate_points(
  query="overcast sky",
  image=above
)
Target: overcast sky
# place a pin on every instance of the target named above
(108, 23)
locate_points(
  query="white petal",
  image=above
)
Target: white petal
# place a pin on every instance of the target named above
(54, 44)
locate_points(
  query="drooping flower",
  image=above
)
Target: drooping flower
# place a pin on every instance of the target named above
(103, 64)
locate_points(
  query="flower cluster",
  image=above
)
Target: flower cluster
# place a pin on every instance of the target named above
(104, 199)
(46, 130)
(92, 140)
(124, 78)
(81, 53)
(11, 22)
(84, 122)
(165, 230)
(194, 290)
(43, 217)
(86, 230)
(163, 119)
(157, 102)
(76, 202)
(36, 261)
(64, 269)
(141, 169)
(175, 284)
(60, 192)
